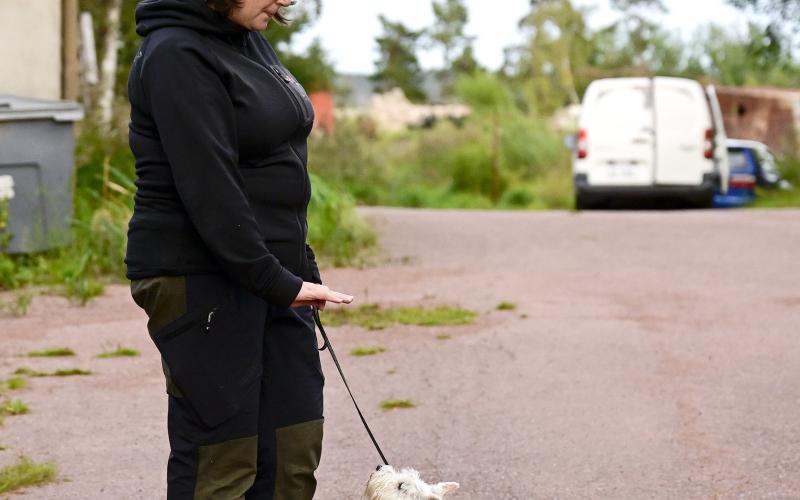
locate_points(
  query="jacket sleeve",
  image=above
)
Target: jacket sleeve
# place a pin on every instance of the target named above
(313, 269)
(195, 119)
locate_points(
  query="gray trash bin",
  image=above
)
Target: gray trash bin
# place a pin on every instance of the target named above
(36, 164)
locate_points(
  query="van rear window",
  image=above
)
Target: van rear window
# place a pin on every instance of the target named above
(676, 107)
(622, 107)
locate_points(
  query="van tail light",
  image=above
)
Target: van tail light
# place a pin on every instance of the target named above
(583, 144)
(708, 144)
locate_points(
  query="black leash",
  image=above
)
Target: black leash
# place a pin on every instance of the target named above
(327, 345)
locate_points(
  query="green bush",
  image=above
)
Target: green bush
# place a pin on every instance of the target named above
(530, 147)
(470, 169)
(554, 188)
(347, 158)
(485, 93)
(453, 165)
(519, 195)
(778, 198)
(335, 231)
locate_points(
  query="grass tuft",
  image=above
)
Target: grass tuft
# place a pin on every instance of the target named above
(12, 384)
(442, 336)
(16, 383)
(391, 404)
(68, 372)
(19, 305)
(506, 306)
(373, 317)
(13, 407)
(120, 352)
(64, 372)
(25, 473)
(51, 353)
(367, 351)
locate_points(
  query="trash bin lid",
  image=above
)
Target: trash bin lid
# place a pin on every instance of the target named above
(14, 108)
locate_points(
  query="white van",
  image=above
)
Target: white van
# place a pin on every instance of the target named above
(649, 136)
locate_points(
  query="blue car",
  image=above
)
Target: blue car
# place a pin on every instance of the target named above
(751, 165)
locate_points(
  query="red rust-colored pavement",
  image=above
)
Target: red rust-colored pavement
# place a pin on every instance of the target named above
(651, 355)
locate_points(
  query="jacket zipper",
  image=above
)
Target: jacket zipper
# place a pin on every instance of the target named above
(289, 85)
(297, 214)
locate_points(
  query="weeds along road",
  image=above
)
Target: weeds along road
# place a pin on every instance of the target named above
(651, 355)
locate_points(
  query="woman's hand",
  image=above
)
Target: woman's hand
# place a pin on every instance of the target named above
(312, 294)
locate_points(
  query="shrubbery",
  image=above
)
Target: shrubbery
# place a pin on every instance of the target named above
(500, 157)
(775, 198)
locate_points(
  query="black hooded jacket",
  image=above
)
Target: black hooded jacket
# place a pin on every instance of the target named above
(219, 131)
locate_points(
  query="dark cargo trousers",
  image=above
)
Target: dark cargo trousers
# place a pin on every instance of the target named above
(245, 390)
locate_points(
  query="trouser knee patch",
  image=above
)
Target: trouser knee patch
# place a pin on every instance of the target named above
(227, 469)
(299, 448)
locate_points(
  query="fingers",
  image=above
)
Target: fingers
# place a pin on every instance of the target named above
(338, 298)
(325, 293)
(315, 294)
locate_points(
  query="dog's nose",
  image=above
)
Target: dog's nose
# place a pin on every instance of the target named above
(378, 468)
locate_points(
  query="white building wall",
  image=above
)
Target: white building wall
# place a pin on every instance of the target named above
(30, 48)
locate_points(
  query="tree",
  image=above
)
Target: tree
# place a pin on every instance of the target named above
(397, 65)
(488, 96)
(312, 67)
(741, 59)
(783, 25)
(108, 67)
(451, 18)
(448, 29)
(780, 11)
(114, 28)
(466, 64)
(636, 31)
(558, 43)
(301, 16)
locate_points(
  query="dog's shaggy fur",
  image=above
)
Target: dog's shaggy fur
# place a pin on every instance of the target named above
(386, 483)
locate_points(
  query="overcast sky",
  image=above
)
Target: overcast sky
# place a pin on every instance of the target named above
(348, 27)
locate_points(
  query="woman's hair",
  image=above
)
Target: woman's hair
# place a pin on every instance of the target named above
(225, 7)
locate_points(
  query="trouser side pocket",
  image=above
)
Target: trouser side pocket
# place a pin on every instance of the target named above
(208, 332)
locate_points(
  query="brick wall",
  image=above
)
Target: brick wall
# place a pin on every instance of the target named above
(771, 116)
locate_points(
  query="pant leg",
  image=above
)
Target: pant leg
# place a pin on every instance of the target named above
(291, 408)
(210, 335)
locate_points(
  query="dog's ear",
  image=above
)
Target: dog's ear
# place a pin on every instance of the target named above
(445, 488)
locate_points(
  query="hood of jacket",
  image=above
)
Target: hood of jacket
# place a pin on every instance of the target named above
(152, 15)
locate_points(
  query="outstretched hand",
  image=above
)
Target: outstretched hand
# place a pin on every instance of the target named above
(313, 294)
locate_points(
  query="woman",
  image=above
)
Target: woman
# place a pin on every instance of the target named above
(217, 254)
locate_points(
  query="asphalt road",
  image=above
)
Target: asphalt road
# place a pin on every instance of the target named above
(651, 355)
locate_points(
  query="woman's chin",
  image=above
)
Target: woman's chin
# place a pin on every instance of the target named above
(260, 23)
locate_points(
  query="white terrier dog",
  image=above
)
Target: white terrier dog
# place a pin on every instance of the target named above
(388, 484)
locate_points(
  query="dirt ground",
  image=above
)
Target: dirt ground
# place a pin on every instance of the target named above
(651, 355)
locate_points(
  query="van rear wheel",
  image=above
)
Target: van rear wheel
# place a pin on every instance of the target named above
(706, 201)
(583, 202)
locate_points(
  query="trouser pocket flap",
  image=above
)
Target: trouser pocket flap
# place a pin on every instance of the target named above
(211, 363)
